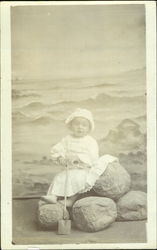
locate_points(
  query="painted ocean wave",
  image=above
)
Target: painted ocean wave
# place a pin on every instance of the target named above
(22, 94)
(100, 105)
(62, 83)
(100, 99)
(43, 119)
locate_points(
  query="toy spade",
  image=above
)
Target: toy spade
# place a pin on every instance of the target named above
(64, 225)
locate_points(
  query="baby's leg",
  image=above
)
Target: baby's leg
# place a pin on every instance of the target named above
(71, 200)
(52, 199)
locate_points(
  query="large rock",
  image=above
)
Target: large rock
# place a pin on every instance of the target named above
(132, 206)
(114, 182)
(50, 214)
(92, 214)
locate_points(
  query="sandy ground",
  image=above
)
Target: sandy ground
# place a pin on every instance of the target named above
(26, 230)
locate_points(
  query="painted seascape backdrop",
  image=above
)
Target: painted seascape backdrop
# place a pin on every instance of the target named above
(65, 57)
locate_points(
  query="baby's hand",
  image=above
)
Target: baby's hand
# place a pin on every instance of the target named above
(73, 160)
(61, 160)
(111, 158)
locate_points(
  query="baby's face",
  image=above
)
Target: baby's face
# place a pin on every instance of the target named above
(80, 127)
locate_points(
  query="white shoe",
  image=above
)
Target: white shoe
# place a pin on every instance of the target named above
(52, 199)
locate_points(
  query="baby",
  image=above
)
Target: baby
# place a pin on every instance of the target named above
(79, 152)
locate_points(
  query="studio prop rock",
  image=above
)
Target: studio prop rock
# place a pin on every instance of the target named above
(113, 200)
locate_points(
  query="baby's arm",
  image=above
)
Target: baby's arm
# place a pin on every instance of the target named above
(58, 152)
(94, 151)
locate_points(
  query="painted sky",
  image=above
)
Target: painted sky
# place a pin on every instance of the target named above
(50, 42)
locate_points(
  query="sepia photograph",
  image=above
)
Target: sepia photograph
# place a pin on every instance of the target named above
(78, 125)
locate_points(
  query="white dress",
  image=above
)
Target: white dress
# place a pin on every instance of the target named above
(85, 166)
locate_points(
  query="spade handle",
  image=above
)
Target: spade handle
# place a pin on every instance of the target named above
(65, 192)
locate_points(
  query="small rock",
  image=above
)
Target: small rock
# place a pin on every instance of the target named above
(50, 214)
(114, 182)
(132, 206)
(93, 214)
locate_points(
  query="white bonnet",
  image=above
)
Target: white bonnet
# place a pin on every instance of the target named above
(81, 113)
